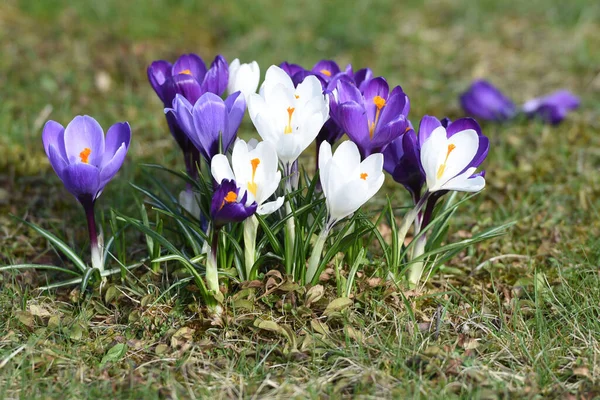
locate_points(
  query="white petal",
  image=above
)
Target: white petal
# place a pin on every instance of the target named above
(220, 169)
(464, 182)
(435, 145)
(270, 207)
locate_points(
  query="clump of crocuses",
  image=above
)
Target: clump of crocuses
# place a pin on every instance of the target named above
(86, 161)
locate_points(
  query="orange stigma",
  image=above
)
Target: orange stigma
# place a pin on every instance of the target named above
(442, 168)
(85, 155)
(379, 103)
(363, 176)
(229, 198)
(185, 72)
(288, 128)
(325, 72)
(296, 96)
(252, 187)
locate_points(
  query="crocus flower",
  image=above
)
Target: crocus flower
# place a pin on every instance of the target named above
(229, 205)
(372, 119)
(209, 120)
(255, 170)
(189, 78)
(450, 156)
(552, 108)
(243, 77)
(402, 160)
(288, 117)
(483, 100)
(86, 161)
(296, 72)
(347, 184)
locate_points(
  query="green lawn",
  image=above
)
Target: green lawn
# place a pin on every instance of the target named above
(526, 326)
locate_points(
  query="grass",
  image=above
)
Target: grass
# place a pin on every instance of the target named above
(516, 327)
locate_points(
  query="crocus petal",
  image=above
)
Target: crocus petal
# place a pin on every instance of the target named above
(158, 72)
(58, 163)
(483, 100)
(191, 65)
(217, 76)
(84, 132)
(116, 136)
(270, 207)
(353, 120)
(466, 182)
(220, 169)
(184, 85)
(53, 134)
(236, 107)
(209, 115)
(109, 170)
(426, 127)
(82, 179)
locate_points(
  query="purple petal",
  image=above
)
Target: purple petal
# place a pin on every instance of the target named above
(485, 101)
(362, 77)
(58, 163)
(428, 124)
(396, 105)
(326, 69)
(217, 77)
(112, 166)
(119, 134)
(223, 212)
(353, 120)
(53, 134)
(185, 85)
(158, 72)
(392, 155)
(210, 118)
(236, 107)
(191, 65)
(552, 108)
(290, 69)
(385, 134)
(462, 124)
(82, 179)
(82, 133)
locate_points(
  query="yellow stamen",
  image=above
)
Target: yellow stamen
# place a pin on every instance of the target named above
(252, 187)
(296, 96)
(85, 155)
(363, 176)
(288, 128)
(325, 72)
(442, 168)
(185, 72)
(379, 103)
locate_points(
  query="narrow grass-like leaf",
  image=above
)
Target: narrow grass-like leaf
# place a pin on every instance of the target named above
(19, 267)
(59, 244)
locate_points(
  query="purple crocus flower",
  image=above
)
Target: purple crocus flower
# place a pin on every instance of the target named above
(483, 100)
(86, 161)
(295, 71)
(227, 207)
(372, 119)
(209, 120)
(552, 108)
(402, 160)
(189, 78)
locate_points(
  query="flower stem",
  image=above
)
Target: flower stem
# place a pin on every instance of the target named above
(416, 268)
(250, 229)
(212, 276)
(290, 232)
(95, 240)
(407, 221)
(315, 257)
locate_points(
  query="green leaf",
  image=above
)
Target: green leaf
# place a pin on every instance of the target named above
(59, 244)
(114, 354)
(18, 267)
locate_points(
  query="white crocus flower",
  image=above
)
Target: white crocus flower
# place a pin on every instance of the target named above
(254, 170)
(347, 184)
(449, 162)
(290, 118)
(243, 77)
